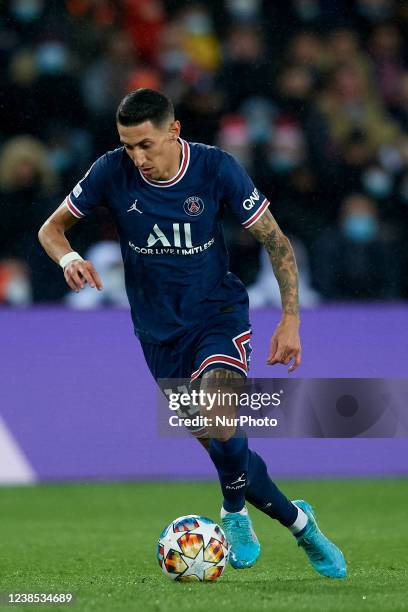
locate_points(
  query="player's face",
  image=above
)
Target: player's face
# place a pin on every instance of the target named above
(154, 150)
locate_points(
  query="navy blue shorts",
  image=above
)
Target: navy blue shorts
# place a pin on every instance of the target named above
(223, 342)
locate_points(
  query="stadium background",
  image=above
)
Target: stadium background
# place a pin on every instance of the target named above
(312, 98)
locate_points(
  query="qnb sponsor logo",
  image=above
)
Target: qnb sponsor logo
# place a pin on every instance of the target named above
(252, 200)
(177, 242)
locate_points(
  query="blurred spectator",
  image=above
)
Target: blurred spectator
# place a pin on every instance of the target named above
(399, 107)
(200, 101)
(372, 12)
(233, 137)
(173, 58)
(343, 48)
(247, 72)
(377, 182)
(103, 86)
(295, 98)
(287, 146)
(306, 50)
(199, 110)
(15, 287)
(311, 96)
(69, 151)
(200, 41)
(356, 259)
(190, 56)
(57, 88)
(302, 207)
(21, 112)
(103, 12)
(259, 113)
(144, 20)
(265, 290)
(348, 104)
(27, 184)
(24, 17)
(385, 49)
(26, 11)
(244, 11)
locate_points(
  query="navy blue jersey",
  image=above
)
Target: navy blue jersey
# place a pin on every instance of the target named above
(173, 248)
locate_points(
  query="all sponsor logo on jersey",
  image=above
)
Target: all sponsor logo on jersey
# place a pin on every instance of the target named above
(175, 242)
(251, 201)
(193, 206)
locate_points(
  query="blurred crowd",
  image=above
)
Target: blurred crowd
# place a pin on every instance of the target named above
(311, 96)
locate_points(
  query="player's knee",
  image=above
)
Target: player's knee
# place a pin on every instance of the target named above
(221, 377)
(221, 387)
(223, 434)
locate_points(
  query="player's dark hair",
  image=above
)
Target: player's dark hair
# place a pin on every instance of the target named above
(144, 105)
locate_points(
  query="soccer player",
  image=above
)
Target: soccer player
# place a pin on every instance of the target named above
(189, 312)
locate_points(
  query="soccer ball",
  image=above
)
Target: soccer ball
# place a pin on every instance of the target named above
(192, 547)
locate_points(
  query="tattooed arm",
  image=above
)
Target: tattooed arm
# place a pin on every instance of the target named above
(285, 343)
(280, 252)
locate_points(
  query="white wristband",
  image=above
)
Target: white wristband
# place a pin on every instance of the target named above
(68, 257)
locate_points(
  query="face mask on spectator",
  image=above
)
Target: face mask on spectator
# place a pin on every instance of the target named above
(360, 227)
(52, 58)
(307, 10)
(18, 292)
(283, 162)
(26, 10)
(374, 11)
(60, 159)
(377, 183)
(287, 146)
(198, 24)
(243, 9)
(173, 61)
(258, 113)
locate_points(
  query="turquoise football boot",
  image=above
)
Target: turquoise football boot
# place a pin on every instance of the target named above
(244, 545)
(323, 555)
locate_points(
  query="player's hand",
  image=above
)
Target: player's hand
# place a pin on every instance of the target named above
(285, 344)
(79, 272)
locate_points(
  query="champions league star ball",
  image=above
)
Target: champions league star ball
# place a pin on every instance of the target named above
(192, 548)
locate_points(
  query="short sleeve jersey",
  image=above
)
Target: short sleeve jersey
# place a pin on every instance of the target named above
(172, 243)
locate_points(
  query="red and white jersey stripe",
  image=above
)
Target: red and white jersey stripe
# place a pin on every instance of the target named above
(73, 209)
(240, 363)
(257, 214)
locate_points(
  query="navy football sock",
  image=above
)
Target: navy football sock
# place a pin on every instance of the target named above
(231, 460)
(263, 493)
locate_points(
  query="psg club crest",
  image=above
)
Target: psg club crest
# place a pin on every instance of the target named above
(193, 206)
